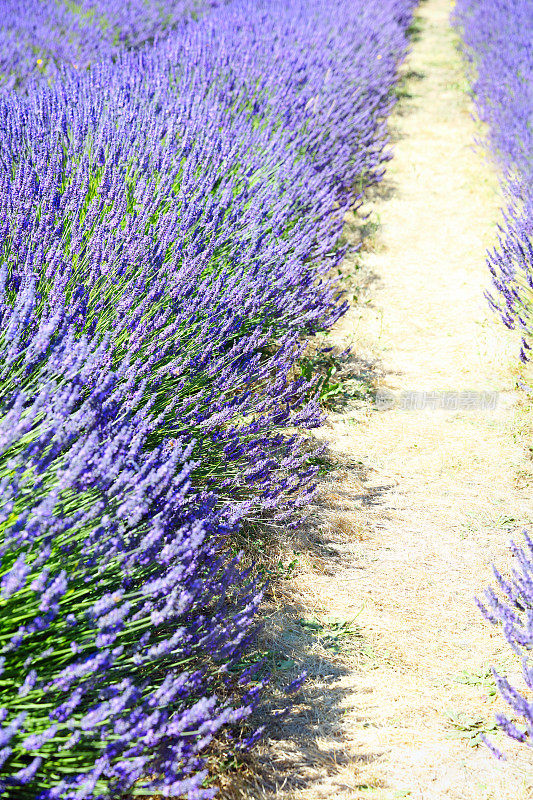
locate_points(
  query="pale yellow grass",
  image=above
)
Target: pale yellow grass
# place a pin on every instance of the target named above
(421, 502)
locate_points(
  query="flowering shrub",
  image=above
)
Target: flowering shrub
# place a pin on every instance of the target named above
(40, 37)
(497, 37)
(120, 610)
(169, 218)
(512, 608)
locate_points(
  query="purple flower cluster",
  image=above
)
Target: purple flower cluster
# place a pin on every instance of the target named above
(169, 219)
(512, 609)
(123, 613)
(40, 38)
(497, 37)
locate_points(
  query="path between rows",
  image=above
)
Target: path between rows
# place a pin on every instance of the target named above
(422, 500)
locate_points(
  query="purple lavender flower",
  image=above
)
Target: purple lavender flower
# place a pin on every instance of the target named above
(497, 40)
(172, 195)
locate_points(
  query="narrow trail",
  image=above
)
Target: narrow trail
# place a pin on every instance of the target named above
(422, 499)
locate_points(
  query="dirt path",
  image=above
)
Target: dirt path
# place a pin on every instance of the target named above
(422, 499)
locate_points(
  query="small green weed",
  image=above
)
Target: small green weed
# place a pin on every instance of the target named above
(328, 386)
(338, 381)
(281, 570)
(470, 729)
(333, 635)
(483, 678)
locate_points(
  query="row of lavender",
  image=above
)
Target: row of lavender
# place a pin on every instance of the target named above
(497, 35)
(40, 38)
(169, 220)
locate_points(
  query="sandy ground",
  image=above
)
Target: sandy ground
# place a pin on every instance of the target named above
(429, 485)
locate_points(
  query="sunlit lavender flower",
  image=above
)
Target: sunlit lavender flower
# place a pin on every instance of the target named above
(172, 193)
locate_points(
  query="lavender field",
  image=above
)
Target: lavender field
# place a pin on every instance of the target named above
(179, 180)
(173, 183)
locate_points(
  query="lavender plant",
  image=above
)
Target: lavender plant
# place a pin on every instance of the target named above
(226, 220)
(170, 207)
(497, 37)
(39, 38)
(122, 612)
(510, 607)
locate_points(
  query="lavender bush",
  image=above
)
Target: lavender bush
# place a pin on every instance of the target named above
(511, 607)
(497, 36)
(39, 38)
(122, 613)
(172, 195)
